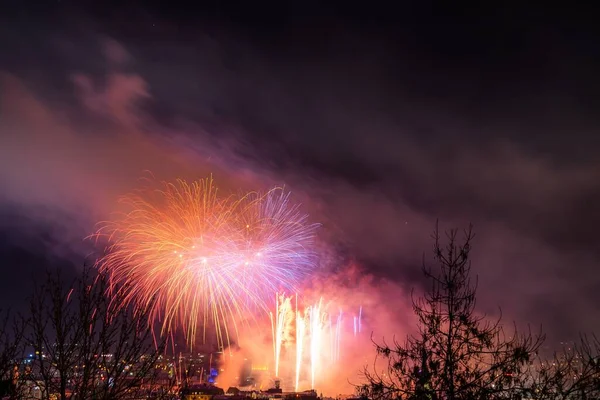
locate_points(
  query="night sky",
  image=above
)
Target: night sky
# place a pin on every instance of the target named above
(379, 120)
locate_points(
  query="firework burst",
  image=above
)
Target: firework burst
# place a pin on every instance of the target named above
(194, 259)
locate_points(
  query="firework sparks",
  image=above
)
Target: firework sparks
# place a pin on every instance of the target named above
(317, 340)
(194, 259)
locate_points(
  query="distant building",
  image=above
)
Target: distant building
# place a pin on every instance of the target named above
(201, 392)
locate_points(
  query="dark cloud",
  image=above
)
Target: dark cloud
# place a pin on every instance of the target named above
(378, 132)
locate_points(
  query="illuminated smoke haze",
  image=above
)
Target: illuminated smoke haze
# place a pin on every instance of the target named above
(385, 313)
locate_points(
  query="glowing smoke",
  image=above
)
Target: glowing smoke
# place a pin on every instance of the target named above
(319, 346)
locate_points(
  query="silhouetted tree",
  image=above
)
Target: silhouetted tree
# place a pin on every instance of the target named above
(11, 352)
(573, 373)
(86, 345)
(456, 354)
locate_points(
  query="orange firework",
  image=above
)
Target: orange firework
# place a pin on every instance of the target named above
(195, 259)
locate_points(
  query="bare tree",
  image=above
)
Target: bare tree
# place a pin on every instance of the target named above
(11, 352)
(457, 354)
(86, 345)
(573, 373)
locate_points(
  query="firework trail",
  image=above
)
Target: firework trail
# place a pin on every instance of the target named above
(358, 322)
(194, 259)
(284, 316)
(360, 319)
(337, 338)
(300, 327)
(316, 329)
